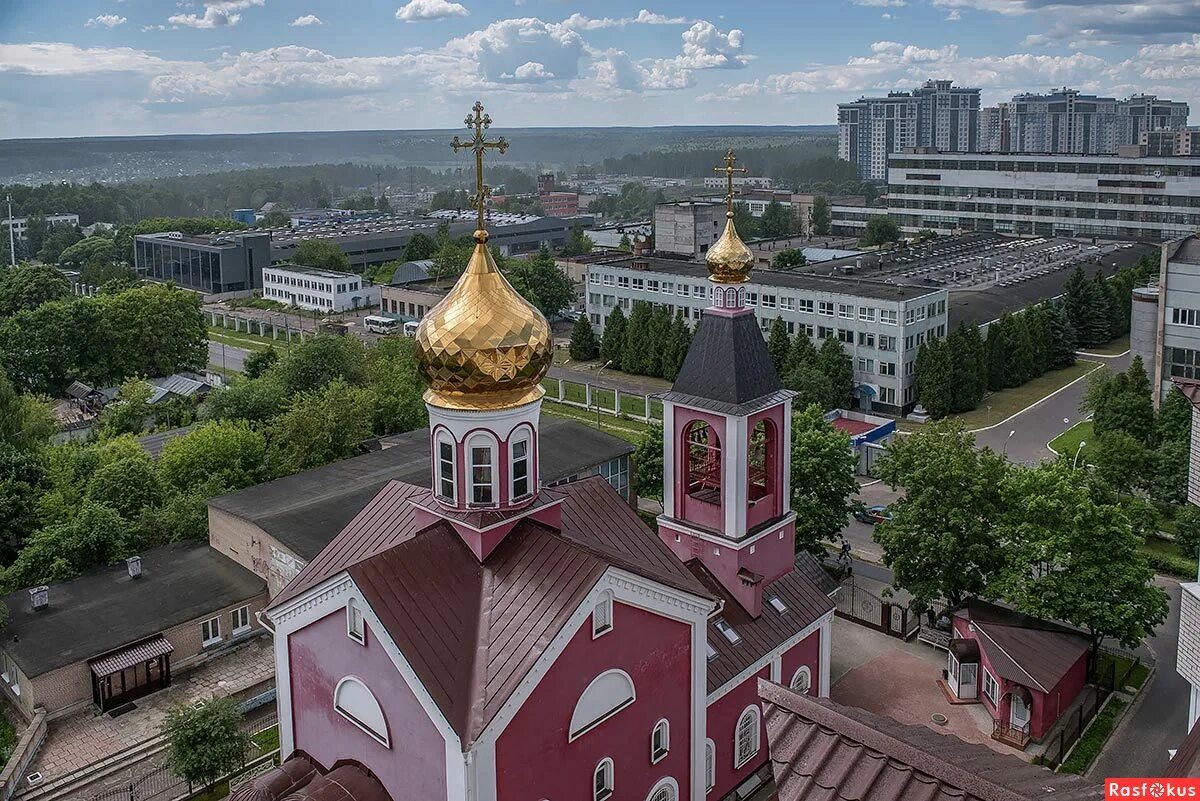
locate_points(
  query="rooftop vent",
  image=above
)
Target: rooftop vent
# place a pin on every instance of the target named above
(39, 597)
(640, 264)
(134, 564)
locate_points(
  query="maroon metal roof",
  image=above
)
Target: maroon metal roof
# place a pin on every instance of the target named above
(805, 599)
(1186, 762)
(297, 771)
(131, 655)
(472, 630)
(1028, 650)
(822, 751)
(1190, 389)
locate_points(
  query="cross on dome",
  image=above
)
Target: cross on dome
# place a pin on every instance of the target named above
(729, 259)
(479, 144)
(729, 170)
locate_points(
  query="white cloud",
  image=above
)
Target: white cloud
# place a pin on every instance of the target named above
(954, 16)
(707, 47)
(532, 71)
(1035, 40)
(305, 21)
(505, 46)
(430, 9)
(879, 3)
(580, 22)
(59, 58)
(217, 14)
(1097, 21)
(105, 20)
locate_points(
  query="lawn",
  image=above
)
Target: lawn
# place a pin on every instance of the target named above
(1092, 742)
(1008, 402)
(630, 430)
(1114, 348)
(240, 339)
(1068, 441)
(1137, 677)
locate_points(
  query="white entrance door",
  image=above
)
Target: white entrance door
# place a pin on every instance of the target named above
(968, 683)
(1019, 712)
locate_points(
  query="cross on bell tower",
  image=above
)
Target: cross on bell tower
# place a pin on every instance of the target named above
(729, 170)
(479, 144)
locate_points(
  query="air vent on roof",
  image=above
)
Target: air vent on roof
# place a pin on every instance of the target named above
(134, 565)
(777, 604)
(39, 597)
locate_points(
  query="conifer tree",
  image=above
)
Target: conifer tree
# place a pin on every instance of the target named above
(779, 344)
(802, 351)
(997, 347)
(1019, 358)
(935, 377)
(679, 340)
(835, 363)
(1062, 336)
(660, 327)
(637, 356)
(612, 344)
(583, 340)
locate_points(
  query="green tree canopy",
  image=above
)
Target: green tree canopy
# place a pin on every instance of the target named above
(821, 217)
(259, 362)
(28, 286)
(321, 359)
(612, 342)
(583, 347)
(126, 485)
(322, 426)
(217, 456)
(578, 243)
(321, 253)
(823, 484)
(95, 535)
(779, 344)
(788, 259)
(880, 230)
(542, 283)
(397, 386)
(835, 363)
(648, 463)
(206, 742)
(777, 221)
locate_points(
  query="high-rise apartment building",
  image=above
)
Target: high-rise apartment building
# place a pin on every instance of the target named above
(936, 114)
(1066, 121)
(993, 129)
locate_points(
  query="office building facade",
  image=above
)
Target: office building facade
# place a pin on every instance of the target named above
(1129, 197)
(20, 225)
(936, 114)
(317, 290)
(689, 227)
(217, 264)
(881, 326)
(1176, 315)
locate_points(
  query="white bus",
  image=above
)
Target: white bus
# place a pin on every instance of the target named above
(381, 325)
(410, 328)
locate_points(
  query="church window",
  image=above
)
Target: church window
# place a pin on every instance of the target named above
(746, 737)
(660, 741)
(710, 765)
(665, 790)
(602, 780)
(703, 462)
(482, 483)
(608, 694)
(802, 680)
(446, 482)
(602, 615)
(357, 704)
(520, 468)
(355, 628)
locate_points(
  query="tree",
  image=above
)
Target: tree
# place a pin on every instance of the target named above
(746, 223)
(90, 253)
(321, 359)
(60, 237)
(258, 362)
(788, 259)
(1120, 460)
(26, 423)
(625, 244)
(612, 343)
(823, 483)
(939, 542)
(22, 483)
(95, 535)
(578, 243)
(1070, 557)
(256, 400)
(835, 363)
(542, 283)
(321, 253)
(1187, 531)
(396, 383)
(779, 344)
(127, 485)
(968, 367)
(648, 463)
(322, 426)
(1062, 336)
(935, 378)
(583, 346)
(636, 355)
(275, 218)
(130, 411)
(206, 741)
(152, 330)
(802, 352)
(418, 247)
(881, 229)
(679, 341)
(1122, 402)
(776, 221)
(812, 387)
(28, 286)
(217, 456)
(821, 219)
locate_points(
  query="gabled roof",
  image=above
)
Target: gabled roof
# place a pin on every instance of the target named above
(805, 591)
(1190, 389)
(727, 362)
(473, 630)
(1033, 652)
(823, 751)
(1186, 762)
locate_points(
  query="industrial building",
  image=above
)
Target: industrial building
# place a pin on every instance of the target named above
(936, 114)
(1127, 195)
(212, 264)
(688, 227)
(316, 289)
(20, 225)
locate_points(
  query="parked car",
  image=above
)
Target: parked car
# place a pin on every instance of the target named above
(872, 514)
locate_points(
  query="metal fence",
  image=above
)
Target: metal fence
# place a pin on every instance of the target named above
(1112, 671)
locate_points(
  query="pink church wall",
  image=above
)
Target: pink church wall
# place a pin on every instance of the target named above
(723, 715)
(806, 652)
(534, 759)
(320, 655)
(707, 515)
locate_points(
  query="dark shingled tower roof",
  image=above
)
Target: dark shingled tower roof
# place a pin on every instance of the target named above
(727, 364)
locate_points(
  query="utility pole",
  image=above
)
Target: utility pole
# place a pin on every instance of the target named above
(12, 247)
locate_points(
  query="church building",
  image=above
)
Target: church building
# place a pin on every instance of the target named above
(484, 637)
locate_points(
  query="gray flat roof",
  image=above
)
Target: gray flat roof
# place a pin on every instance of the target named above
(317, 271)
(105, 609)
(307, 510)
(791, 280)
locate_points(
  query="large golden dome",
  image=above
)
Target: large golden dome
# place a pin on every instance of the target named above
(729, 260)
(484, 346)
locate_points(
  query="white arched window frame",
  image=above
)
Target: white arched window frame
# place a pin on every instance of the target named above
(710, 765)
(606, 695)
(357, 704)
(602, 615)
(665, 790)
(520, 479)
(660, 741)
(446, 459)
(602, 780)
(746, 737)
(481, 490)
(801, 680)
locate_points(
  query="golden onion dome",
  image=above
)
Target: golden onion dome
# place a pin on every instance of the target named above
(729, 260)
(483, 346)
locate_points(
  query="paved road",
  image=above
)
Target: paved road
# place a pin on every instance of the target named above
(1158, 721)
(1042, 422)
(227, 357)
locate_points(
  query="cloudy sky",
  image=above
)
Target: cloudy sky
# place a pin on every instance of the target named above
(101, 67)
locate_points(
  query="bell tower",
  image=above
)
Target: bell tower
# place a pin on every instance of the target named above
(727, 438)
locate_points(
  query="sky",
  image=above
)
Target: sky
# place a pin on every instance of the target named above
(138, 67)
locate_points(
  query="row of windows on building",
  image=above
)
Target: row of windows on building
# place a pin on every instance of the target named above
(399, 307)
(1129, 167)
(1055, 195)
(482, 489)
(1190, 317)
(239, 623)
(306, 283)
(293, 297)
(1060, 212)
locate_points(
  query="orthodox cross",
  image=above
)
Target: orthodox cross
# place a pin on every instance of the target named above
(480, 122)
(729, 170)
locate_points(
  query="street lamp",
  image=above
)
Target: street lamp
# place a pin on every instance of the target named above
(1079, 450)
(1004, 450)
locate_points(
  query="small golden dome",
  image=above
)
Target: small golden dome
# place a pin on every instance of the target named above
(484, 346)
(729, 260)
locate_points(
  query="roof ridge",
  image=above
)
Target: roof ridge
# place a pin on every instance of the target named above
(477, 678)
(821, 712)
(979, 627)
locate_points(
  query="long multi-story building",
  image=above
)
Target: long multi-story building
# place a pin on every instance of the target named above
(212, 264)
(20, 225)
(880, 325)
(1066, 121)
(1167, 142)
(317, 289)
(1128, 196)
(936, 114)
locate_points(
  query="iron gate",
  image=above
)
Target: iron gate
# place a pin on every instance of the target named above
(867, 609)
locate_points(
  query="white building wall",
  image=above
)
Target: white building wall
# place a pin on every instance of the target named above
(323, 291)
